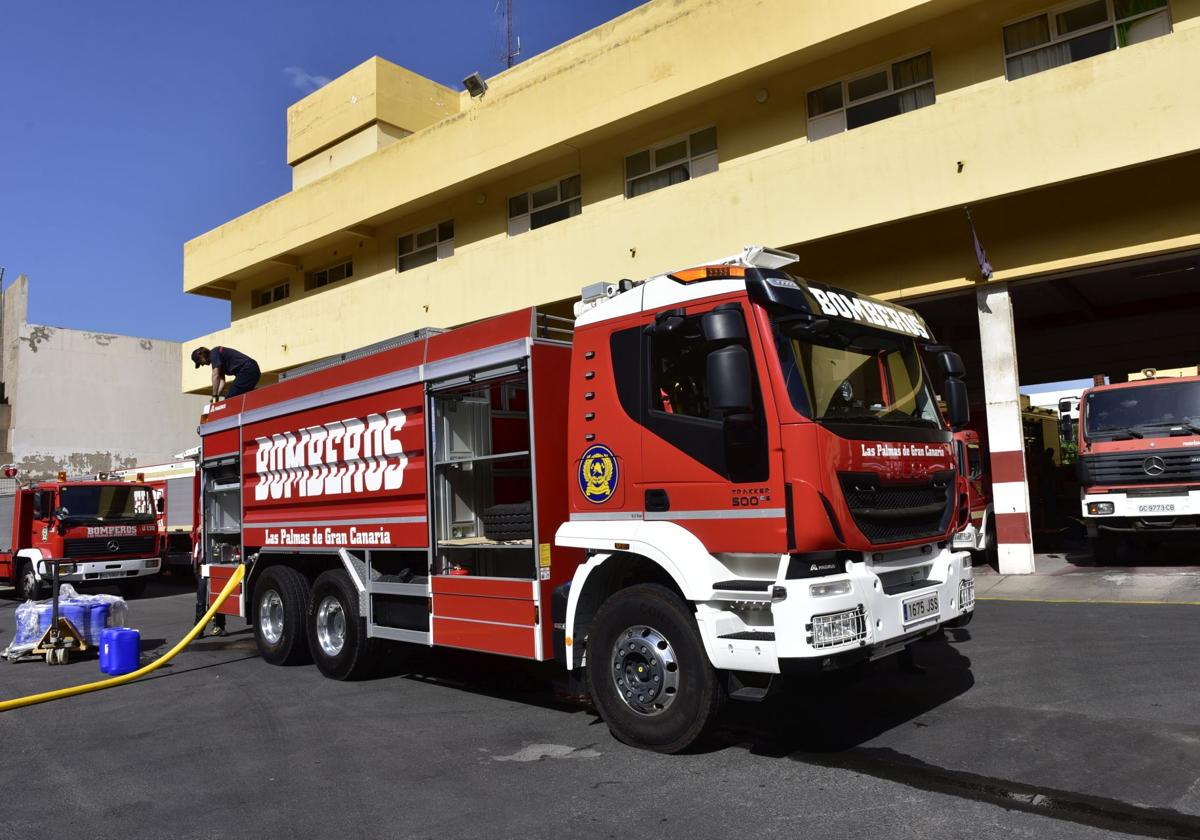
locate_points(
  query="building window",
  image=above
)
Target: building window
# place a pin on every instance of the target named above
(424, 246)
(544, 205)
(875, 95)
(1071, 33)
(322, 278)
(269, 295)
(671, 163)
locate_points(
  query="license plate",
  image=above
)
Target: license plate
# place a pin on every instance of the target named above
(917, 609)
(112, 574)
(1156, 508)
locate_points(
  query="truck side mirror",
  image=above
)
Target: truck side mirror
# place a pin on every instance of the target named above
(1064, 406)
(39, 505)
(158, 504)
(952, 364)
(1066, 428)
(954, 392)
(729, 381)
(61, 514)
(724, 326)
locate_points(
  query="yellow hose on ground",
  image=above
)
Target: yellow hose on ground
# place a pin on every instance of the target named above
(46, 696)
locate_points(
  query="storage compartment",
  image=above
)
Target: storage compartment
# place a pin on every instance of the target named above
(222, 499)
(483, 490)
(401, 611)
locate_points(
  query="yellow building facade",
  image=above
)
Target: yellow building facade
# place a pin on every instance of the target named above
(851, 133)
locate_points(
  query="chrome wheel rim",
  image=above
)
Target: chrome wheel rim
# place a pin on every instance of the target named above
(270, 616)
(331, 625)
(644, 670)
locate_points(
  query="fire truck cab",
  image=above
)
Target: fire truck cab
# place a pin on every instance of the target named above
(93, 531)
(724, 475)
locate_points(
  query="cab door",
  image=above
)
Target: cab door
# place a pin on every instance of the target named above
(710, 452)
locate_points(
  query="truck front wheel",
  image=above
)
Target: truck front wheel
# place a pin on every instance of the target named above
(337, 634)
(280, 599)
(648, 673)
(27, 584)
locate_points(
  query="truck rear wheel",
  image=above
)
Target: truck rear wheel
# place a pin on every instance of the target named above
(27, 585)
(280, 601)
(337, 634)
(648, 673)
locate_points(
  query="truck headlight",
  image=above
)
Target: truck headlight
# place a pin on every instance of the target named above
(152, 563)
(1101, 508)
(824, 590)
(838, 628)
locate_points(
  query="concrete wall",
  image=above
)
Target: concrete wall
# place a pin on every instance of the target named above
(88, 402)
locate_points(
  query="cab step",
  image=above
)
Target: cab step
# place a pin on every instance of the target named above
(744, 585)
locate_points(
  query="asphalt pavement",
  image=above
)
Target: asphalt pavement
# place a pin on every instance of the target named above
(1039, 720)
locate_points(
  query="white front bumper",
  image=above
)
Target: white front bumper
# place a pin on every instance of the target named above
(883, 625)
(1184, 503)
(100, 570)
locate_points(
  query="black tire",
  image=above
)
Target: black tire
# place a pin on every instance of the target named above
(698, 694)
(508, 522)
(28, 587)
(132, 588)
(280, 601)
(353, 656)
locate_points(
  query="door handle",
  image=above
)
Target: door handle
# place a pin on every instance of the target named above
(657, 500)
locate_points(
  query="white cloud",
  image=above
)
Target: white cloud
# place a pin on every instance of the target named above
(301, 79)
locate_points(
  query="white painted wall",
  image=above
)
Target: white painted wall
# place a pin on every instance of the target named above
(88, 402)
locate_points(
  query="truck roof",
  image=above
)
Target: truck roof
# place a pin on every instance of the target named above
(435, 355)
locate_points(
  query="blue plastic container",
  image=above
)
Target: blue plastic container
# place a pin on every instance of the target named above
(77, 614)
(44, 613)
(120, 650)
(97, 620)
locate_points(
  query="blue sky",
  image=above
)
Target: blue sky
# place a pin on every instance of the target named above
(128, 128)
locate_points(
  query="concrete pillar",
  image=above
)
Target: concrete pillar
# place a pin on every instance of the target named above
(1001, 386)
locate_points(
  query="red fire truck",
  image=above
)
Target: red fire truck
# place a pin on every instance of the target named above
(978, 535)
(725, 474)
(1139, 458)
(94, 531)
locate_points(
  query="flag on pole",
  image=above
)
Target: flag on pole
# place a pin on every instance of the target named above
(985, 267)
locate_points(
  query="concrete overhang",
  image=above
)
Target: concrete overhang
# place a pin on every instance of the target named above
(636, 68)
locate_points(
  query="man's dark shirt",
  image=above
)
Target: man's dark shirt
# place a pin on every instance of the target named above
(229, 361)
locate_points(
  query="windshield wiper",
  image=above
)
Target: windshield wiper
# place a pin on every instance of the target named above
(1134, 433)
(1181, 424)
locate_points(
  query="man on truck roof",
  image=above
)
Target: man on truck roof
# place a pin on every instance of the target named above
(225, 362)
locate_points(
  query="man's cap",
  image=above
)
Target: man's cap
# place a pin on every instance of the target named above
(196, 355)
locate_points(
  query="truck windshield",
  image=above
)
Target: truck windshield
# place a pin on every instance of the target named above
(854, 374)
(108, 503)
(1143, 410)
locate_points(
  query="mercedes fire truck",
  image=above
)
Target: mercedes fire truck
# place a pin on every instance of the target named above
(95, 532)
(715, 477)
(1139, 458)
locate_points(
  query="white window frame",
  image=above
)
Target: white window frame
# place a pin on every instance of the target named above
(256, 303)
(845, 82)
(690, 159)
(521, 223)
(310, 279)
(443, 247)
(1052, 13)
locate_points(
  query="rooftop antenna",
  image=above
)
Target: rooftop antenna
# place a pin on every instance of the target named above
(509, 52)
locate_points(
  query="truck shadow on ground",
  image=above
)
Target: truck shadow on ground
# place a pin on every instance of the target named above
(835, 712)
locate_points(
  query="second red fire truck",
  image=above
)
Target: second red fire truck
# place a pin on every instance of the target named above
(723, 475)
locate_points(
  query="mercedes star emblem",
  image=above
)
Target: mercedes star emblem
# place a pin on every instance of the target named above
(1154, 465)
(113, 545)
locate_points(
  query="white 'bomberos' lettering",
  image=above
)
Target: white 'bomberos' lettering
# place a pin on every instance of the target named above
(841, 305)
(345, 456)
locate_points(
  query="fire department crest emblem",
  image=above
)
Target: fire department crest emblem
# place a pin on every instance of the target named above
(598, 474)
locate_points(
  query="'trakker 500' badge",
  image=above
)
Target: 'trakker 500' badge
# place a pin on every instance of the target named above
(598, 474)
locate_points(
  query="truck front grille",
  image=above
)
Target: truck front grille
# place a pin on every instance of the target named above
(110, 546)
(899, 511)
(1144, 467)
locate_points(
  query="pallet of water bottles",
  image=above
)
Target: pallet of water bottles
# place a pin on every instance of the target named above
(89, 614)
